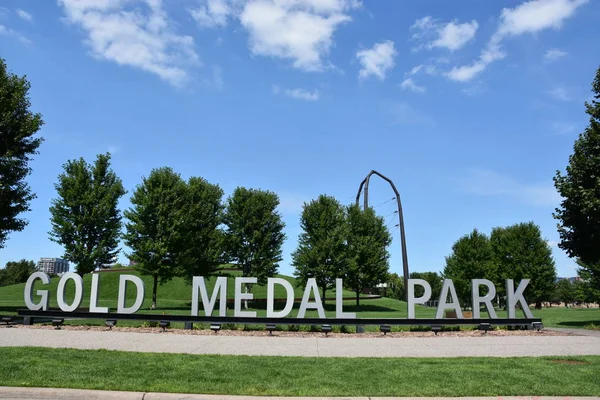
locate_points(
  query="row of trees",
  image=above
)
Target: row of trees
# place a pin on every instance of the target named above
(514, 252)
(174, 227)
(341, 242)
(16, 272)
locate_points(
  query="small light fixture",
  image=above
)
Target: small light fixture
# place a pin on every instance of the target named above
(485, 327)
(385, 329)
(436, 328)
(271, 328)
(537, 325)
(110, 323)
(164, 325)
(57, 323)
(326, 329)
(215, 327)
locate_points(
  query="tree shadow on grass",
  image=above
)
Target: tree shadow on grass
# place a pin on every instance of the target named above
(578, 324)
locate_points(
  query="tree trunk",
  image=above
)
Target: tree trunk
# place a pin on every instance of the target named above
(324, 289)
(357, 299)
(538, 305)
(154, 287)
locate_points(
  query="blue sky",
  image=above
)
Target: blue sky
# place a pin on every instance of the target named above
(469, 107)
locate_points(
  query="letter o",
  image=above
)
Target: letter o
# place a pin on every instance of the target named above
(60, 295)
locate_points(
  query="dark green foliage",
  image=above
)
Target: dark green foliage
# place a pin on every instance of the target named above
(17, 144)
(254, 232)
(434, 280)
(521, 252)
(579, 212)
(155, 230)
(367, 242)
(565, 291)
(394, 289)
(85, 217)
(16, 272)
(202, 247)
(321, 252)
(591, 283)
(472, 258)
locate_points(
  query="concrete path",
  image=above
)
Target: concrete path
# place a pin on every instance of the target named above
(573, 331)
(43, 393)
(320, 346)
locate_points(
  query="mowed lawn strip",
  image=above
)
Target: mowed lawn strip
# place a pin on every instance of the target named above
(298, 376)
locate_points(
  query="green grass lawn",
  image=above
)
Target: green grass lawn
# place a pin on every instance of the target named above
(174, 297)
(299, 376)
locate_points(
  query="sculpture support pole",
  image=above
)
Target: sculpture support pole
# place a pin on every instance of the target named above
(365, 184)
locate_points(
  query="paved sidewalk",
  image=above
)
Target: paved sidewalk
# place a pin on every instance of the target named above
(45, 393)
(437, 346)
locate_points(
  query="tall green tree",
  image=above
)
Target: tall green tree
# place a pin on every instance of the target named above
(321, 251)
(579, 212)
(85, 216)
(254, 232)
(202, 249)
(18, 125)
(16, 272)
(434, 280)
(472, 257)
(565, 291)
(367, 249)
(156, 226)
(521, 252)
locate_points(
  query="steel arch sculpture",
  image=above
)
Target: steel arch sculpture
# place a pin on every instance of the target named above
(365, 184)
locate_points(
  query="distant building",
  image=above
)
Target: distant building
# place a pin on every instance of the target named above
(53, 265)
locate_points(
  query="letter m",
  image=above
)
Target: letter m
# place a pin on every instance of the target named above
(219, 290)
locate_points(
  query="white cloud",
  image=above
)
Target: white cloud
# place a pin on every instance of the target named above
(403, 113)
(24, 15)
(212, 13)
(299, 30)
(302, 94)
(488, 183)
(563, 128)
(409, 84)
(536, 15)
(136, 34)
(552, 243)
(554, 54)
(422, 68)
(451, 35)
(529, 17)
(560, 93)
(378, 60)
(4, 31)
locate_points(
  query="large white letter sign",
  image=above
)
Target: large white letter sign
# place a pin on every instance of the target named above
(513, 297)
(419, 300)
(454, 304)
(487, 299)
(219, 290)
(139, 294)
(311, 286)
(289, 302)
(43, 304)
(94, 296)
(239, 296)
(60, 295)
(339, 301)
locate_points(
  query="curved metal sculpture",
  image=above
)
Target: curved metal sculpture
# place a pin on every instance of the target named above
(365, 184)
